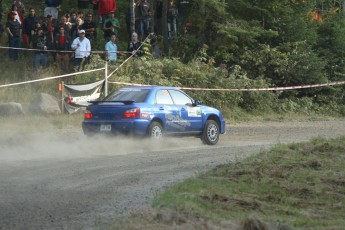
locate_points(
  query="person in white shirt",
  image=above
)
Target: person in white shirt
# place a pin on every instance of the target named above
(82, 47)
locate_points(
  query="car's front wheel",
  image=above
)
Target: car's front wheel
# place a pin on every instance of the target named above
(210, 134)
(155, 130)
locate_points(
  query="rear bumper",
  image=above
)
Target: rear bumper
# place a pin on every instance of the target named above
(137, 127)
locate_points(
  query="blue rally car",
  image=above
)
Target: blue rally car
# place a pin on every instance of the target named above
(153, 111)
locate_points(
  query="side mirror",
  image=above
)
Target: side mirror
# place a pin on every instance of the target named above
(196, 102)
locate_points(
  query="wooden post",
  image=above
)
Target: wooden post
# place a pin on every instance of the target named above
(62, 98)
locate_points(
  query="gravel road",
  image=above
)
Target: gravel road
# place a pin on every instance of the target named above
(63, 180)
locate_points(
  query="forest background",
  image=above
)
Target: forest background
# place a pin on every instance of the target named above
(223, 44)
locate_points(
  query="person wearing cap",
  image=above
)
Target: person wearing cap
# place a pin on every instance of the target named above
(14, 31)
(82, 47)
(111, 48)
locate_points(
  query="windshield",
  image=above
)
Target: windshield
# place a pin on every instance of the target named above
(128, 94)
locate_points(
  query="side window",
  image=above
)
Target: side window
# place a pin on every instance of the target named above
(163, 97)
(180, 98)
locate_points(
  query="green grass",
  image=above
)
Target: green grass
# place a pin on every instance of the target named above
(300, 185)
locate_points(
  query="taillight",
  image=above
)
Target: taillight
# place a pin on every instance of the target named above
(87, 115)
(131, 113)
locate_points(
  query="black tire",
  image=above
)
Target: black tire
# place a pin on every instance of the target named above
(210, 135)
(155, 130)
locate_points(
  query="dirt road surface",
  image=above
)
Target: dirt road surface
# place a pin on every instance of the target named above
(63, 180)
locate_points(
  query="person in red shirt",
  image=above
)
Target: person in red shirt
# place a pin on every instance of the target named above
(105, 7)
(62, 43)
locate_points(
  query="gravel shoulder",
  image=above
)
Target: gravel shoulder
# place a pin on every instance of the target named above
(66, 181)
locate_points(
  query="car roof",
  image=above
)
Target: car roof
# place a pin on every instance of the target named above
(150, 87)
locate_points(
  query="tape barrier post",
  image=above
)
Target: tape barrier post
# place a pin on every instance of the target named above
(62, 99)
(106, 79)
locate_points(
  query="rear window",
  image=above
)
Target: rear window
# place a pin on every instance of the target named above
(127, 94)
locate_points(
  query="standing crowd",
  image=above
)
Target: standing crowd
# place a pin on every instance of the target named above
(69, 37)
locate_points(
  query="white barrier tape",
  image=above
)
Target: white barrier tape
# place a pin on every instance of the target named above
(63, 51)
(120, 66)
(50, 78)
(253, 89)
(132, 54)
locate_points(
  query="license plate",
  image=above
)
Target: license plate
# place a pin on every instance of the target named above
(105, 128)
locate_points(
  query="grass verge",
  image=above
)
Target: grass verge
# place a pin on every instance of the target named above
(292, 186)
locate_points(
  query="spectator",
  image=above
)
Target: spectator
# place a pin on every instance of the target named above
(14, 32)
(29, 22)
(19, 15)
(48, 30)
(1, 25)
(75, 29)
(111, 48)
(73, 18)
(105, 7)
(80, 15)
(154, 46)
(53, 7)
(39, 42)
(172, 18)
(111, 25)
(83, 4)
(82, 48)
(20, 6)
(90, 28)
(145, 12)
(138, 20)
(35, 28)
(95, 12)
(134, 46)
(65, 24)
(62, 43)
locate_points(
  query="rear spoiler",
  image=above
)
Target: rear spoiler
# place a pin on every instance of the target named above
(124, 102)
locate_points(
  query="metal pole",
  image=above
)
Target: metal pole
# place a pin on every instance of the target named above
(106, 79)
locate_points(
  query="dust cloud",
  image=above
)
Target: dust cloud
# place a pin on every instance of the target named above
(22, 142)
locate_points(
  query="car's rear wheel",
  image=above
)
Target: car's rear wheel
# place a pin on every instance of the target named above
(210, 135)
(155, 130)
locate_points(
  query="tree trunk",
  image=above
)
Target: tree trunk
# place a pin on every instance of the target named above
(165, 25)
(132, 15)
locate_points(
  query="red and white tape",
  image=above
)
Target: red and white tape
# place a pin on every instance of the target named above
(252, 89)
